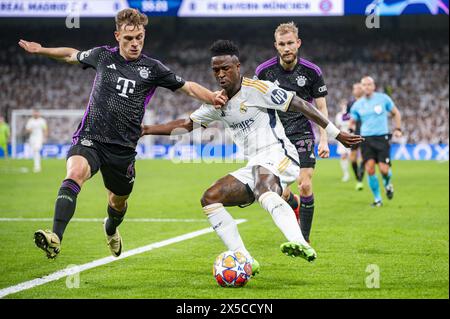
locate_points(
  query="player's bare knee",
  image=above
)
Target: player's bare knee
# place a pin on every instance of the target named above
(117, 204)
(78, 174)
(211, 196)
(305, 187)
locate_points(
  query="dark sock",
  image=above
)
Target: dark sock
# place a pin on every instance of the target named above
(306, 215)
(292, 201)
(65, 206)
(115, 218)
(355, 170)
(361, 172)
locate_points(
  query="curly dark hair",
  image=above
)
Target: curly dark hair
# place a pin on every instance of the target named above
(224, 47)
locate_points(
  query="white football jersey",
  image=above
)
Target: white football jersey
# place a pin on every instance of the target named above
(37, 127)
(343, 121)
(251, 118)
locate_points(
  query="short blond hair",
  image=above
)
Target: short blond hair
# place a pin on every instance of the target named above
(131, 17)
(286, 28)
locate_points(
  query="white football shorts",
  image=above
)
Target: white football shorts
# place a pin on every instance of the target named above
(276, 162)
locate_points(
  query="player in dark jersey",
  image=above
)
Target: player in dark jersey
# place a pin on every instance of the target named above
(298, 75)
(107, 136)
(358, 169)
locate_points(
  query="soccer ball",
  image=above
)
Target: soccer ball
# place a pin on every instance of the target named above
(232, 269)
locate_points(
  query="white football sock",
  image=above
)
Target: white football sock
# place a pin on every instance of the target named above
(37, 160)
(225, 226)
(283, 216)
(344, 166)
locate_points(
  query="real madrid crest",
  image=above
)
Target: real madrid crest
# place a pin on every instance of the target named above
(144, 72)
(301, 81)
(243, 108)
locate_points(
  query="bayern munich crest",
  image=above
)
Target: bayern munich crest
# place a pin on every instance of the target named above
(144, 72)
(301, 81)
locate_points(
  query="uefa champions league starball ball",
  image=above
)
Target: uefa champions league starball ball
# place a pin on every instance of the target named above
(232, 269)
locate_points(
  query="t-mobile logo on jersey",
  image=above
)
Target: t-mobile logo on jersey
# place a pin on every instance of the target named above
(123, 86)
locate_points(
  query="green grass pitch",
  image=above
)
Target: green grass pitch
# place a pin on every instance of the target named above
(407, 239)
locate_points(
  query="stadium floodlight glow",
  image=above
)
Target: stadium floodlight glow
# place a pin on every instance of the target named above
(397, 8)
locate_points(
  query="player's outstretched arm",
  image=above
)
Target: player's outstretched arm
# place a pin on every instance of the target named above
(312, 113)
(176, 127)
(201, 93)
(68, 55)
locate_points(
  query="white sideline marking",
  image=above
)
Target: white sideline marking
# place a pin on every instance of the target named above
(100, 262)
(137, 220)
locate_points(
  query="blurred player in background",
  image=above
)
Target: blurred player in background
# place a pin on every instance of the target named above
(107, 136)
(343, 123)
(37, 129)
(4, 136)
(358, 168)
(273, 163)
(293, 73)
(373, 110)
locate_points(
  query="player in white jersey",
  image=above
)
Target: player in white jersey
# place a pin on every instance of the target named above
(343, 123)
(37, 129)
(250, 115)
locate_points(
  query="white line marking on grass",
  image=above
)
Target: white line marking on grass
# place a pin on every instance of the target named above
(133, 220)
(100, 262)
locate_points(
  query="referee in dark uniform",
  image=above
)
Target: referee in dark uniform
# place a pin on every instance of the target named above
(107, 136)
(301, 76)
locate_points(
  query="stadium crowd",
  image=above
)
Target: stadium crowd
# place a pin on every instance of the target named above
(414, 73)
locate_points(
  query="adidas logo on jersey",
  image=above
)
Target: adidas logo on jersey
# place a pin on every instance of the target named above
(112, 66)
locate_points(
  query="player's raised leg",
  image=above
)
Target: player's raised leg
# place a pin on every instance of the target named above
(268, 192)
(373, 183)
(227, 191)
(78, 171)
